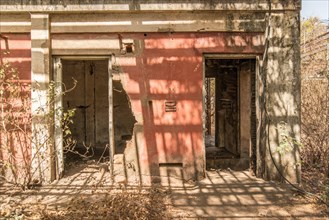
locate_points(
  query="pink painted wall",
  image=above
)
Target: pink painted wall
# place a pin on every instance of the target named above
(170, 67)
(16, 50)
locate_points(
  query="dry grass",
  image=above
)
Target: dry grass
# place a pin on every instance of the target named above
(315, 125)
(146, 204)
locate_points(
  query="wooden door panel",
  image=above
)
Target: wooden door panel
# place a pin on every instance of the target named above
(90, 99)
(75, 99)
(101, 103)
(89, 93)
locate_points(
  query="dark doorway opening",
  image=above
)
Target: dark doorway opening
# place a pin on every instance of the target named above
(229, 112)
(89, 98)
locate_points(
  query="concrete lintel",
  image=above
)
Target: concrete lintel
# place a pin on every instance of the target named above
(83, 52)
(231, 56)
(83, 57)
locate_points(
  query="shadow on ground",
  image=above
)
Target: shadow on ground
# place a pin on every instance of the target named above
(223, 194)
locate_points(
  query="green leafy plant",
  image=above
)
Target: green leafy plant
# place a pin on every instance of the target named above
(287, 142)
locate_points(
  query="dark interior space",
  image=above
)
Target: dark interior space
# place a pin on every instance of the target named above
(123, 117)
(228, 110)
(221, 101)
(90, 98)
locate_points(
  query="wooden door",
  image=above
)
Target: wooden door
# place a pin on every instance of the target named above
(90, 99)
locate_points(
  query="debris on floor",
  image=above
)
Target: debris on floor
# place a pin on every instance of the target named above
(144, 204)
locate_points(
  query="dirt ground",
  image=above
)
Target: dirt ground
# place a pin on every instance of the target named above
(88, 193)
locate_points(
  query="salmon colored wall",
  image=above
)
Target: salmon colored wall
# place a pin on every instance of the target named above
(16, 50)
(170, 67)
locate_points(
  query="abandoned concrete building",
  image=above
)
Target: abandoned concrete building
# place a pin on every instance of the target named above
(170, 87)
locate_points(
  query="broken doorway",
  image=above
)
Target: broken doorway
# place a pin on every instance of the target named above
(123, 117)
(90, 99)
(229, 120)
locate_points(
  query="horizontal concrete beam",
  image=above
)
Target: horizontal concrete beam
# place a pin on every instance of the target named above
(141, 22)
(97, 46)
(159, 22)
(15, 23)
(143, 5)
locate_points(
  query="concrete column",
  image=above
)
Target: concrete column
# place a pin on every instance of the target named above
(283, 98)
(41, 140)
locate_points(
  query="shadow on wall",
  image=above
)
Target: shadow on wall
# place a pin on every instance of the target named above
(167, 68)
(15, 108)
(282, 75)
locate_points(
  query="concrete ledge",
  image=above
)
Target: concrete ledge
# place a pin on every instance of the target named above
(200, 21)
(143, 5)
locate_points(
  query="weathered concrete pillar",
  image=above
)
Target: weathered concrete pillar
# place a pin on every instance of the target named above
(282, 107)
(41, 139)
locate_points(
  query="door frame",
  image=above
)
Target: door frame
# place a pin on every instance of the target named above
(58, 104)
(220, 56)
